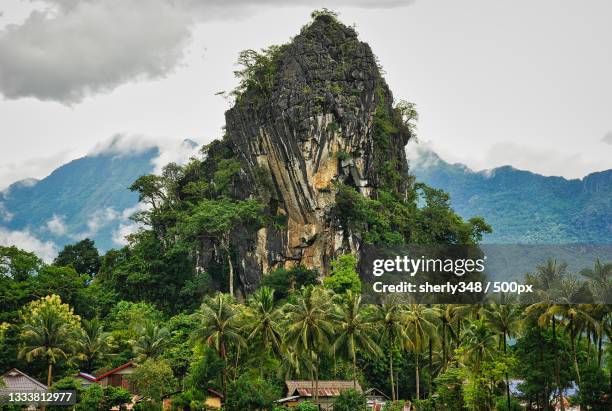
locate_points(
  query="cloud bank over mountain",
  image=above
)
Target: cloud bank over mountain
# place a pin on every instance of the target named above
(70, 49)
(24, 239)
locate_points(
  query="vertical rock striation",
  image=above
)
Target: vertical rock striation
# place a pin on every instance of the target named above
(313, 124)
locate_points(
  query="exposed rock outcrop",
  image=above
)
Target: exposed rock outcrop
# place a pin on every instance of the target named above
(312, 126)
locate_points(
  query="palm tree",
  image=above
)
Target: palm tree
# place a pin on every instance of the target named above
(150, 342)
(93, 343)
(389, 319)
(264, 319)
(47, 335)
(600, 281)
(548, 282)
(462, 313)
(310, 327)
(219, 327)
(479, 343)
(355, 331)
(601, 313)
(506, 320)
(445, 317)
(419, 320)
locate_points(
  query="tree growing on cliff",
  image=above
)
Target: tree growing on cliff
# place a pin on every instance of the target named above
(214, 220)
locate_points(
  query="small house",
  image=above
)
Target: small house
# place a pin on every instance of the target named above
(15, 381)
(376, 399)
(299, 391)
(214, 400)
(85, 379)
(118, 377)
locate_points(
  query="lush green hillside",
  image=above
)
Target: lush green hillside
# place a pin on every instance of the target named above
(524, 207)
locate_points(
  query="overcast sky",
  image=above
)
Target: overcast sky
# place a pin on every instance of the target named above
(520, 82)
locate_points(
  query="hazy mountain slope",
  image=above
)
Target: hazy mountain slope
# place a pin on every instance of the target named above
(525, 207)
(87, 197)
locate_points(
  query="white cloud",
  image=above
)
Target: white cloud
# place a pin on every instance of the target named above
(607, 138)
(39, 167)
(127, 227)
(101, 219)
(75, 48)
(121, 144)
(5, 215)
(543, 160)
(546, 161)
(124, 230)
(109, 217)
(46, 250)
(66, 50)
(57, 226)
(421, 154)
(170, 150)
(174, 152)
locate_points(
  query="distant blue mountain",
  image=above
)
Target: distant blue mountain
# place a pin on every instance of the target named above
(88, 197)
(524, 207)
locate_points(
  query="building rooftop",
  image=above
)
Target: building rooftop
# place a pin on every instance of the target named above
(303, 388)
(15, 380)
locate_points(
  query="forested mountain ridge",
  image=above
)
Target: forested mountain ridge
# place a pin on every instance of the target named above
(525, 207)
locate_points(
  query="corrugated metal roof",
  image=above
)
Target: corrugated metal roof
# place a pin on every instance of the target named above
(86, 376)
(15, 380)
(325, 388)
(121, 367)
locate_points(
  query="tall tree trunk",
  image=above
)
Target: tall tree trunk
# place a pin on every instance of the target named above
(430, 364)
(444, 345)
(588, 335)
(223, 354)
(507, 379)
(599, 345)
(391, 375)
(557, 370)
(354, 372)
(49, 373)
(317, 386)
(312, 381)
(231, 273)
(418, 384)
(576, 361)
(457, 342)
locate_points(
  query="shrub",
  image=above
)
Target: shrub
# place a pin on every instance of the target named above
(394, 405)
(306, 406)
(501, 404)
(284, 281)
(250, 393)
(343, 276)
(350, 400)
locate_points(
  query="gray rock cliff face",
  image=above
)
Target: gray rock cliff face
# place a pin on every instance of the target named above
(313, 127)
